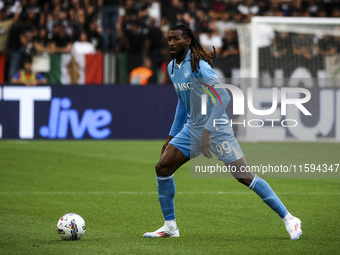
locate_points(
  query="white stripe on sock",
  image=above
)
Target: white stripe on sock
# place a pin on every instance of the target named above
(164, 178)
(253, 182)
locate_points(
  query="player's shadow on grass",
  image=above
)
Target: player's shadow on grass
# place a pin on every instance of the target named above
(60, 241)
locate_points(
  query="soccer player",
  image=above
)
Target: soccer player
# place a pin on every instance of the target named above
(198, 135)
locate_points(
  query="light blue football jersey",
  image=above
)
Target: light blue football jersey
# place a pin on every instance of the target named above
(189, 88)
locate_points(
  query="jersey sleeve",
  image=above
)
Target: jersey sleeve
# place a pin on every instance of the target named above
(207, 76)
(180, 118)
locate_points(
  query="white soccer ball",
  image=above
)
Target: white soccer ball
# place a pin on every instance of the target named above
(71, 226)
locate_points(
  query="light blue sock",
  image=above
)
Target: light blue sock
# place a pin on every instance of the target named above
(262, 188)
(166, 194)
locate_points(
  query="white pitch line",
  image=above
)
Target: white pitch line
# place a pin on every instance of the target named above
(153, 193)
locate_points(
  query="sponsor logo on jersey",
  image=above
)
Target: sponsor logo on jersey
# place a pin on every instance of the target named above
(183, 86)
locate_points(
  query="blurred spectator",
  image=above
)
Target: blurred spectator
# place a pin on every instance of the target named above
(63, 18)
(265, 38)
(79, 23)
(15, 47)
(303, 45)
(337, 43)
(295, 12)
(217, 8)
(6, 34)
(94, 35)
(50, 24)
(155, 44)
(136, 35)
(82, 45)
(201, 22)
(5, 26)
(225, 23)
(13, 7)
(248, 7)
(109, 20)
(32, 12)
(93, 9)
(60, 16)
(326, 45)
(282, 45)
(143, 13)
(141, 30)
(130, 11)
(276, 9)
(264, 5)
(154, 11)
(26, 76)
(40, 42)
(142, 74)
(304, 13)
(191, 8)
(238, 18)
(29, 30)
(209, 39)
(60, 42)
(336, 12)
(312, 7)
(188, 20)
(322, 13)
(49, 6)
(174, 12)
(76, 4)
(230, 44)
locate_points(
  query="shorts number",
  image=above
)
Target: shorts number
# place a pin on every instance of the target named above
(223, 148)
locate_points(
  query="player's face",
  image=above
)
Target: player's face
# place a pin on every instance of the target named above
(178, 45)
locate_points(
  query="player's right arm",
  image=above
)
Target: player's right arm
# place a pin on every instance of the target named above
(180, 118)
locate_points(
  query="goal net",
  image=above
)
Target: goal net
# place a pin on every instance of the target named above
(290, 47)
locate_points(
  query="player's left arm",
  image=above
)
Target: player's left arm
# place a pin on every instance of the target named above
(211, 79)
(216, 113)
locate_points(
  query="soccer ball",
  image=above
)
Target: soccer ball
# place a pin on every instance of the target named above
(71, 226)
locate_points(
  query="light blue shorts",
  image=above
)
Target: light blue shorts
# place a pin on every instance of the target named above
(223, 142)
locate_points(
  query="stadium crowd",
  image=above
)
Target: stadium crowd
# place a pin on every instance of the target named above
(139, 29)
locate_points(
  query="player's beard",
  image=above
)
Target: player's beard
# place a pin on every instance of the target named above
(178, 54)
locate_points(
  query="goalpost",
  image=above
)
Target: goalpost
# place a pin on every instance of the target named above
(292, 52)
(315, 28)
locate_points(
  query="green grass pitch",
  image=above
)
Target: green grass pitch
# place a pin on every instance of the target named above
(112, 185)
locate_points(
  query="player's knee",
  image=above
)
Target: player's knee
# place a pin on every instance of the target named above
(162, 170)
(244, 181)
(244, 177)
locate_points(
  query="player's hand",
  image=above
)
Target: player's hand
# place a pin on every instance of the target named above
(205, 144)
(166, 144)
